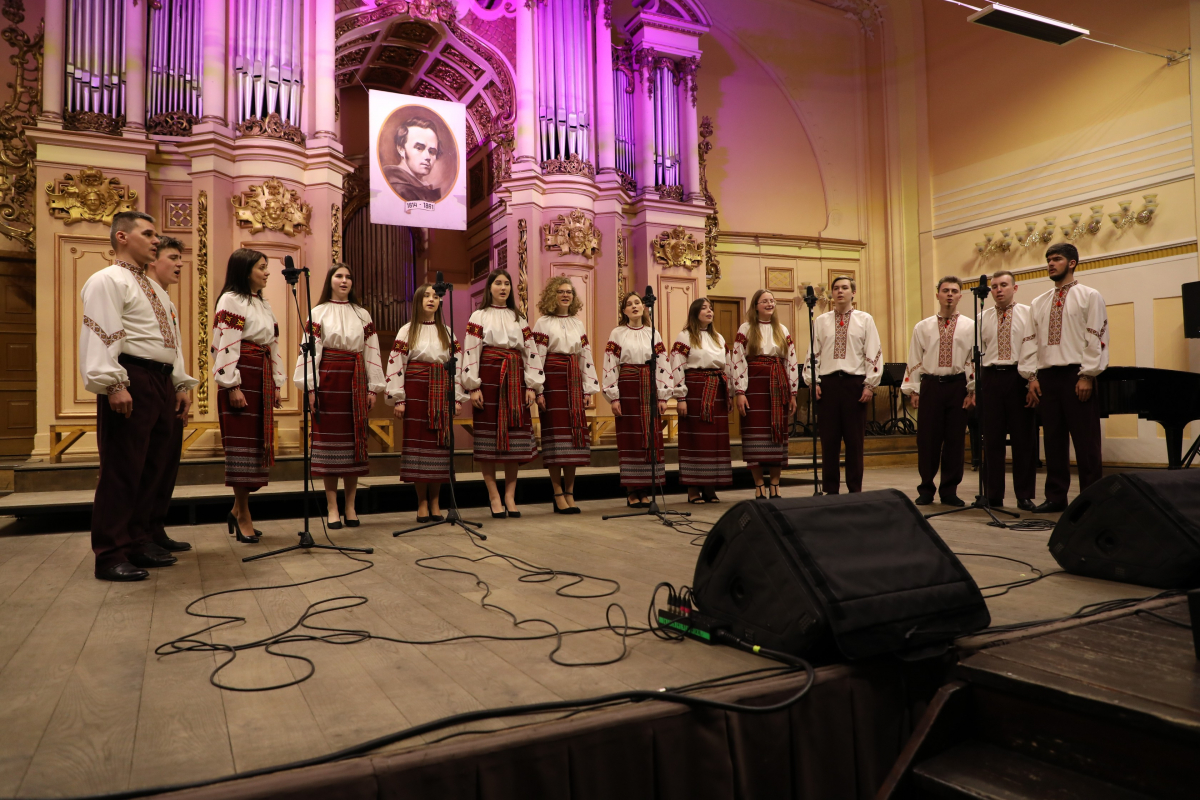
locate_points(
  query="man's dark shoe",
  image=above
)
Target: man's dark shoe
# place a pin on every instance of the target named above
(122, 572)
(151, 559)
(924, 500)
(1049, 507)
(171, 546)
(953, 500)
(1025, 505)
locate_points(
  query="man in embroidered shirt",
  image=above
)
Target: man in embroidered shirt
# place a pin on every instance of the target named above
(1071, 325)
(1009, 363)
(940, 381)
(130, 357)
(849, 362)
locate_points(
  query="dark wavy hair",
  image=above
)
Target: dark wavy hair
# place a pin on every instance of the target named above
(511, 305)
(624, 320)
(327, 289)
(237, 273)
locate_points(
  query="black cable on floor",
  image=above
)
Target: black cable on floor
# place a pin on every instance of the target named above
(1084, 612)
(1010, 585)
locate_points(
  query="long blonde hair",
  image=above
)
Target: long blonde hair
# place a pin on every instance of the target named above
(693, 323)
(414, 321)
(753, 340)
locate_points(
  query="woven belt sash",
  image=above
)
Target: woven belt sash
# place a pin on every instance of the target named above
(435, 375)
(575, 399)
(779, 386)
(712, 385)
(358, 398)
(268, 398)
(509, 414)
(645, 396)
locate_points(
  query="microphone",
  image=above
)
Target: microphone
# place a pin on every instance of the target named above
(982, 290)
(439, 284)
(290, 273)
(810, 297)
(648, 298)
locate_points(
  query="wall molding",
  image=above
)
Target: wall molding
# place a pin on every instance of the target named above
(1100, 262)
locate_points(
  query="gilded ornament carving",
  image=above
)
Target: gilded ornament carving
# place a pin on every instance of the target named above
(572, 233)
(172, 123)
(202, 301)
(272, 206)
(449, 77)
(677, 248)
(17, 172)
(501, 154)
(867, 13)
(705, 147)
(628, 182)
(687, 74)
(672, 192)
(622, 59)
(461, 60)
(335, 233)
(93, 121)
(178, 214)
(427, 89)
(712, 267)
(572, 165)
(622, 268)
(356, 191)
(433, 10)
(523, 264)
(273, 127)
(91, 197)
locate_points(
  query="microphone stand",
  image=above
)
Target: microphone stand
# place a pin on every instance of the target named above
(452, 515)
(655, 430)
(309, 349)
(810, 300)
(980, 294)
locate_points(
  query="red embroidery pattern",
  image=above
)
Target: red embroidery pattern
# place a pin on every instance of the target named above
(313, 329)
(681, 348)
(368, 330)
(542, 339)
(946, 341)
(276, 330)
(659, 348)
(876, 359)
(841, 331)
(1004, 334)
(454, 348)
(1056, 313)
(116, 387)
(740, 338)
(1100, 333)
(526, 333)
(475, 329)
(160, 314)
(104, 337)
(400, 346)
(614, 348)
(227, 319)
(583, 341)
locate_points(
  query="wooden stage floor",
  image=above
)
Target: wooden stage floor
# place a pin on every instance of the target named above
(87, 707)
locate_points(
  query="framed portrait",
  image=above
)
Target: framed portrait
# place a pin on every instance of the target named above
(781, 279)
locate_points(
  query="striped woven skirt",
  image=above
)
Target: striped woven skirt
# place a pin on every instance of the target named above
(765, 428)
(502, 428)
(427, 423)
(565, 438)
(634, 429)
(339, 440)
(248, 434)
(704, 458)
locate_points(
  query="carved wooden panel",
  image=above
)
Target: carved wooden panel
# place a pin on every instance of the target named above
(18, 357)
(583, 279)
(674, 297)
(76, 258)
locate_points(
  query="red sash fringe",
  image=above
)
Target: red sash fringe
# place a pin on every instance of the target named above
(779, 396)
(511, 399)
(268, 395)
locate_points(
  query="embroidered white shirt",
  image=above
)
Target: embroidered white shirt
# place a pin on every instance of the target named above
(940, 347)
(562, 334)
(847, 343)
(710, 353)
(343, 326)
(500, 327)
(124, 311)
(632, 346)
(1071, 325)
(429, 349)
(1008, 338)
(741, 358)
(239, 319)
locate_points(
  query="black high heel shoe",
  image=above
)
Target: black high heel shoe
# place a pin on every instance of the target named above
(758, 491)
(554, 506)
(773, 490)
(236, 530)
(511, 513)
(498, 514)
(572, 509)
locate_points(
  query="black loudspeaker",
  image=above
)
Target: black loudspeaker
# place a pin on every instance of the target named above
(1135, 527)
(860, 574)
(1191, 310)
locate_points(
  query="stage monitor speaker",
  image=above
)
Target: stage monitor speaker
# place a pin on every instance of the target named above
(1135, 527)
(1191, 310)
(860, 574)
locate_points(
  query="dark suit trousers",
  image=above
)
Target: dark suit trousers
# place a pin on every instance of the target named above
(1067, 421)
(1003, 414)
(135, 453)
(941, 428)
(840, 417)
(165, 486)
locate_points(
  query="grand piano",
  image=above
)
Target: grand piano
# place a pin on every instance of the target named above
(1169, 397)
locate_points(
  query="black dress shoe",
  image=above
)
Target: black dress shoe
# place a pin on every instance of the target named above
(424, 519)
(334, 526)
(996, 503)
(1049, 507)
(1025, 505)
(953, 500)
(122, 572)
(923, 500)
(352, 523)
(172, 546)
(151, 559)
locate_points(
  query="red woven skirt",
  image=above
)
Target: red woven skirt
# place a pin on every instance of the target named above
(427, 423)
(339, 440)
(634, 429)
(704, 432)
(502, 428)
(565, 438)
(248, 434)
(764, 428)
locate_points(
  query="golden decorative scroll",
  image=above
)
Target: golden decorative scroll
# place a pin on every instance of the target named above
(91, 197)
(622, 267)
(17, 172)
(712, 267)
(572, 233)
(522, 265)
(677, 248)
(202, 302)
(272, 206)
(335, 233)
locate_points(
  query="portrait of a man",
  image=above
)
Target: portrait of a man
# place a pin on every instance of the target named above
(418, 149)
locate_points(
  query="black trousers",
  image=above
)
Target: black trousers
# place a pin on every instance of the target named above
(1003, 415)
(941, 428)
(135, 457)
(1067, 421)
(841, 417)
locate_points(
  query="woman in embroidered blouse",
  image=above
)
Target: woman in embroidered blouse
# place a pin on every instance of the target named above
(249, 374)
(700, 372)
(503, 373)
(349, 375)
(630, 387)
(416, 387)
(765, 377)
(570, 384)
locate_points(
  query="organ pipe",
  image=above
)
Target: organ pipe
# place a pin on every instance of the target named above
(175, 58)
(267, 58)
(95, 68)
(564, 78)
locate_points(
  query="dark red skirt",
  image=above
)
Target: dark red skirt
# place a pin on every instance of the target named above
(764, 428)
(248, 434)
(502, 428)
(634, 429)
(427, 423)
(339, 441)
(565, 438)
(704, 458)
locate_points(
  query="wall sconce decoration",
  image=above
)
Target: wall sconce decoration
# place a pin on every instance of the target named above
(992, 246)
(1077, 228)
(1031, 237)
(1127, 219)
